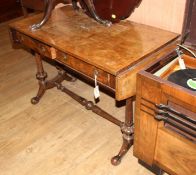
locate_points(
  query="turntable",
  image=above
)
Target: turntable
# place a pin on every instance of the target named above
(181, 70)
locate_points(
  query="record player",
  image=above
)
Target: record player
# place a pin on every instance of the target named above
(165, 120)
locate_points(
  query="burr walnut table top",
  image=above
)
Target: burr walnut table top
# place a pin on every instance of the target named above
(119, 51)
(109, 48)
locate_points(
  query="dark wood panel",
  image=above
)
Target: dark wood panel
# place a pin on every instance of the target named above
(35, 4)
(9, 9)
(190, 23)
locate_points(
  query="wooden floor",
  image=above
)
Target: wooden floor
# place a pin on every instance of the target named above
(57, 136)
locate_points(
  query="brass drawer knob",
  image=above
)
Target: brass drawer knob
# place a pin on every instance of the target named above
(53, 53)
(43, 49)
(21, 38)
(64, 56)
(96, 72)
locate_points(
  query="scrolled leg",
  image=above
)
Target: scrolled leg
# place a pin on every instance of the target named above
(41, 77)
(49, 5)
(127, 130)
(127, 143)
(74, 4)
(93, 13)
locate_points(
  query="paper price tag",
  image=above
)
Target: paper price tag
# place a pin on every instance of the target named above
(96, 89)
(180, 60)
(181, 63)
(96, 92)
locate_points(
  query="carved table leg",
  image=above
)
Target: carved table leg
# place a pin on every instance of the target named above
(47, 84)
(126, 127)
(93, 13)
(49, 5)
(127, 131)
(41, 76)
(74, 4)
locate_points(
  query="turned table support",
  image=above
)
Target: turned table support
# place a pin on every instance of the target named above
(127, 131)
(41, 77)
(47, 84)
(126, 127)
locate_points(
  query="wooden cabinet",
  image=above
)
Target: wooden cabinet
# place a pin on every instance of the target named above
(165, 120)
(157, 142)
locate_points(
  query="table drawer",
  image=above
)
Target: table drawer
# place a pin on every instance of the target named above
(86, 69)
(35, 45)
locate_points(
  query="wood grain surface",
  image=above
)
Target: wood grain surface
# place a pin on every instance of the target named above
(111, 49)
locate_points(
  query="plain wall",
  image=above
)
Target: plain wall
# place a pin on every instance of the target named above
(164, 14)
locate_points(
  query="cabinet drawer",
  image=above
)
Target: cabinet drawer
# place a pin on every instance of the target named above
(175, 153)
(86, 69)
(35, 45)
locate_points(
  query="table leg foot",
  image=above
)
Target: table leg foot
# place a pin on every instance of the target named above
(127, 143)
(41, 77)
(74, 4)
(35, 100)
(93, 13)
(127, 131)
(49, 5)
(116, 160)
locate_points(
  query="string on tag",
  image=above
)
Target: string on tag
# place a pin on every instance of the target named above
(180, 59)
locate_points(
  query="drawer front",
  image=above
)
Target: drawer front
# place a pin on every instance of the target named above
(86, 69)
(35, 45)
(174, 153)
(74, 63)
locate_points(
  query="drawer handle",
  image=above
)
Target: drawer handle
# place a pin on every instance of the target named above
(43, 49)
(21, 38)
(96, 72)
(53, 52)
(64, 56)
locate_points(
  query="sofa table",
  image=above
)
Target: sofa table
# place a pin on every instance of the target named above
(84, 47)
